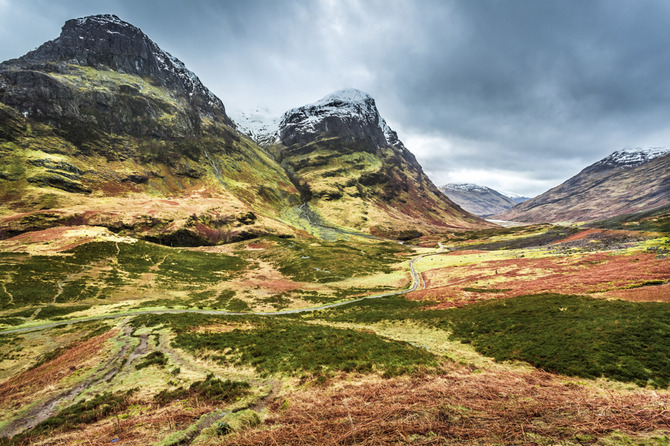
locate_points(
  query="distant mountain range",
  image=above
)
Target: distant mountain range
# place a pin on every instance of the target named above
(480, 200)
(627, 181)
(102, 127)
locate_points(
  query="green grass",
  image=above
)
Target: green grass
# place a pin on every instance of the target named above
(291, 346)
(323, 262)
(393, 308)
(84, 412)
(210, 389)
(53, 312)
(154, 358)
(296, 348)
(526, 240)
(652, 220)
(31, 280)
(572, 335)
(91, 329)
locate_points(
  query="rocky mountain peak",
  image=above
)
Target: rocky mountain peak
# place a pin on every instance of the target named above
(627, 158)
(346, 113)
(107, 42)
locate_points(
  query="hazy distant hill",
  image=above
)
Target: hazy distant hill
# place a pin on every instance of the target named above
(480, 200)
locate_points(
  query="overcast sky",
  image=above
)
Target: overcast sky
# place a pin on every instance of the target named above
(515, 95)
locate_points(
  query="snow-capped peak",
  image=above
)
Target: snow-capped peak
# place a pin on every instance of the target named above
(102, 19)
(632, 157)
(346, 96)
(348, 104)
(465, 187)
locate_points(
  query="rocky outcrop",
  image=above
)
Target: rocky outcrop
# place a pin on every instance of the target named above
(350, 115)
(102, 111)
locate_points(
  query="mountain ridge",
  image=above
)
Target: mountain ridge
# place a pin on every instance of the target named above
(624, 182)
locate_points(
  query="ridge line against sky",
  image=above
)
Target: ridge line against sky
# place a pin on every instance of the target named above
(514, 95)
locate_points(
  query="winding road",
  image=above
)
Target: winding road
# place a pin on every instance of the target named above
(416, 282)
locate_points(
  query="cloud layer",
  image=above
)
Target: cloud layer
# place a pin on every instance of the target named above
(516, 95)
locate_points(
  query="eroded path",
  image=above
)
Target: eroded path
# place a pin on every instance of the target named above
(45, 409)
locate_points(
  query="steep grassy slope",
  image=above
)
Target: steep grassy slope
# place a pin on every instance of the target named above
(355, 172)
(102, 112)
(230, 183)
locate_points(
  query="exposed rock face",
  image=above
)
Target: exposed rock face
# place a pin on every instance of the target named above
(44, 84)
(347, 158)
(349, 115)
(627, 181)
(480, 200)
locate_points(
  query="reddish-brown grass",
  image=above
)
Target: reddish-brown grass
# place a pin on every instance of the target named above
(482, 408)
(592, 273)
(655, 293)
(16, 391)
(581, 235)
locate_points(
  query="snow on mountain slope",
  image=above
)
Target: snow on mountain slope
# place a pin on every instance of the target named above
(480, 200)
(349, 105)
(259, 125)
(466, 187)
(631, 157)
(626, 181)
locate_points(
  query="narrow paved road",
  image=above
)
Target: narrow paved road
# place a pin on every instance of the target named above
(416, 281)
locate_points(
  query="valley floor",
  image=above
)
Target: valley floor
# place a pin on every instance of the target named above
(523, 335)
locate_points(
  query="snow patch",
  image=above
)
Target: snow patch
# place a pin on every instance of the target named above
(102, 19)
(259, 125)
(466, 187)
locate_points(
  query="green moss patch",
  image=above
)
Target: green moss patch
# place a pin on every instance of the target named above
(96, 269)
(573, 335)
(295, 348)
(210, 389)
(323, 262)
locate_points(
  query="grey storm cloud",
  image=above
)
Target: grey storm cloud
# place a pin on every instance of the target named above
(516, 95)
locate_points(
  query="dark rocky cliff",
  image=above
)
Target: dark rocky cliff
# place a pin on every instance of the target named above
(45, 84)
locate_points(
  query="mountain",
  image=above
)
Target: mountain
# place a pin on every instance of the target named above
(516, 198)
(627, 181)
(479, 200)
(354, 172)
(102, 127)
(102, 112)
